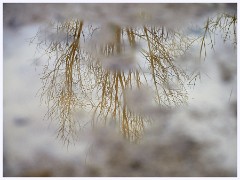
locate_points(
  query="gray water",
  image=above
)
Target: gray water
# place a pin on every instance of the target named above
(138, 93)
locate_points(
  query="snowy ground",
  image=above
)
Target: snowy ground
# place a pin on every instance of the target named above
(197, 140)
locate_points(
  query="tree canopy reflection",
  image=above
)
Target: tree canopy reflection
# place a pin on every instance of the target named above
(90, 67)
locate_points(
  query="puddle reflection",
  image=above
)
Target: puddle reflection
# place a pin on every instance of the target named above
(91, 67)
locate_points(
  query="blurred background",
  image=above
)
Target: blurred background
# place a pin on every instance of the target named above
(119, 90)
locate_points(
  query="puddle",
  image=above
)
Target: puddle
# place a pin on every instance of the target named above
(92, 67)
(123, 89)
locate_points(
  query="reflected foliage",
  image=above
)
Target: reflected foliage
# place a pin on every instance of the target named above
(90, 67)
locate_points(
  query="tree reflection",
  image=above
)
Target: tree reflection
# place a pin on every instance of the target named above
(90, 67)
(223, 23)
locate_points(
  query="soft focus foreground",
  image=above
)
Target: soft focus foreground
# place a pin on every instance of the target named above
(125, 89)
